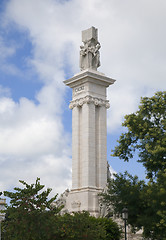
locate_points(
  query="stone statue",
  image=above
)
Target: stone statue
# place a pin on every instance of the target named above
(89, 52)
(62, 202)
(108, 172)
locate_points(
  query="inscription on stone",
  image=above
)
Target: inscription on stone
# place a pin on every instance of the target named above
(76, 204)
(79, 89)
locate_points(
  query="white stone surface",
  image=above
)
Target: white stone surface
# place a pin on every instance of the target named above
(89, 140)
(89, 134)
(84, 199)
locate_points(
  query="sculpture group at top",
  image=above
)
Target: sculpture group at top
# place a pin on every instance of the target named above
(89, 52)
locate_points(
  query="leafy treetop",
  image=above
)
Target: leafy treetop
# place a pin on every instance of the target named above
(146, 134)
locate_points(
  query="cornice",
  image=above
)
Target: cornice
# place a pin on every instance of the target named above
(89, 75)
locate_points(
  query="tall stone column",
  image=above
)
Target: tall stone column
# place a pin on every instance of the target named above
(89, 129)
(76, 115)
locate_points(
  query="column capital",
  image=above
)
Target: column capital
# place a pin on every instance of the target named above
(87, 100)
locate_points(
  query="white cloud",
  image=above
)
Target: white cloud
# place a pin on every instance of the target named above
(122, 101)
(31, 144)
(54, 172)
(132, 34)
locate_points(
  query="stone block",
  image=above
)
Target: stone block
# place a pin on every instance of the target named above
(89, 34)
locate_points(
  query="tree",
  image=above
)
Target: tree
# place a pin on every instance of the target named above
(124, 191)
(30, 212)
(32, 216)
(146, 134)
(154, 219)
(145, 202)
(80, 226)
(112, 229)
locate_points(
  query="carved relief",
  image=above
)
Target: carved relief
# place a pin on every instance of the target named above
(89, 99)
(89, 52)
(62, 201)
(76, 204)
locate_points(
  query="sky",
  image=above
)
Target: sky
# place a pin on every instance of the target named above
(39, 49)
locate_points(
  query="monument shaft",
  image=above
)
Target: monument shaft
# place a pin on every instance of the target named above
(89, 163)
(89, 128)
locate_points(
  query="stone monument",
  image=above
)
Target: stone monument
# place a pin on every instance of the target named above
(89, 128)
(89, 53)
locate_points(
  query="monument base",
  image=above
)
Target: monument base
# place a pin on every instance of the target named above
(84, 199)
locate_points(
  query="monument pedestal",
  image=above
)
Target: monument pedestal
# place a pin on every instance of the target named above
(84, 199)
(89, 139)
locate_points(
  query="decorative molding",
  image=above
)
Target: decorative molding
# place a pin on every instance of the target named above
(89, 99)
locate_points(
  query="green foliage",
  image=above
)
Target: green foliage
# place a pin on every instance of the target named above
(80, 226)
(154, 196)
(124, 191)
(32, 216)
(145, 202)
(111, 228)
(30, 212)
(146, 134)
